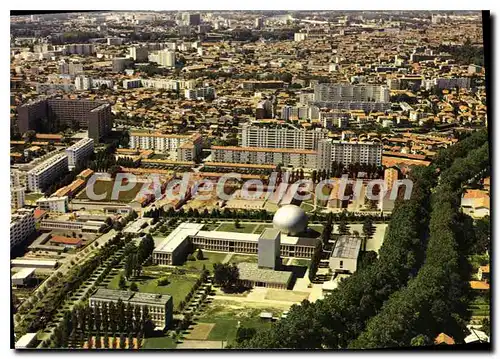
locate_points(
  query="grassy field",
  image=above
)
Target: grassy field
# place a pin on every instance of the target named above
(307, 207)
(240, 258)
(225, 318)
(32, 197)
(260, 228)
(301, 262)
(209, 259)
(107, 186)
(179, 285)
(159, 343)
(243, 228)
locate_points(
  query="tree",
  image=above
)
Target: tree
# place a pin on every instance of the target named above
(122, 284)
(343, 229)
(226, 275)
(133, 287)
(243, 334)
(199, 254)
(237, 223)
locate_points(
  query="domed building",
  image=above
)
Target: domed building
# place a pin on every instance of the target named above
(290, 220)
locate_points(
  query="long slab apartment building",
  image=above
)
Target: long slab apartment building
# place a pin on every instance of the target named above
(296, 147)
(160, 306)
(188, 147)
(171, 250)
(37, 115)
(351, 97)
(46, 172)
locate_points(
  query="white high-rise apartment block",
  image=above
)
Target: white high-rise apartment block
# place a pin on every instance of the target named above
(281, 136)
(83, 83)
(139, 54)
(200, 93)
(22, 225)
(188, 147)
(53, 204)
(168, 84)
(265, 156)
(352, 97)
(16, 190)
(43, 174)
(448, 83)
(348, 92)
(164, 58)
(79, 152)
(348, 152)
(299, 36)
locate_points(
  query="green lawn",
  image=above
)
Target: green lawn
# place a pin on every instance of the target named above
(209, 259)
(226, 319)
(307, 207)
(243, 228)
(159, 343)
(240, 258)
(107, 186)
(301, 262)
(261, 227)
(178, 288)
(32, 197)
(225, 329)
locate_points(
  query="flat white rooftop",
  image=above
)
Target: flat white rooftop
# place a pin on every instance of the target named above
(174, 239)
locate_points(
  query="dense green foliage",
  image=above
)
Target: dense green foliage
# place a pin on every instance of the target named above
(435, 301)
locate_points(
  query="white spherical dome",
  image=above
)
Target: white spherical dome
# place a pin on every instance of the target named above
(290, 219)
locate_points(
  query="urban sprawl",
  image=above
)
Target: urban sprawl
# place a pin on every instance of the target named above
(249, 180)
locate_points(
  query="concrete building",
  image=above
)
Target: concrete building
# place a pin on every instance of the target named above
(17, 191)
(138, 53)
(132, 84)
(169, 84)
(352, 97)
(41, 115)
(189, 19)
(251, 275)
(71, 225)
(42, 175)
(269, 249)
(281, 136)
(53, 204)
(258, 155)
(160, 306)
(79, 49)
(186, 146)
(22, 278)
(171, 250)
(22, 225)
(164, 58)
(27, 341)
(200, 93)
(344, 258)
(79, 152)
(330, 151)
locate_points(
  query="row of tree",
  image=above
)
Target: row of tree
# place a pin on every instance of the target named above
(85, 322)
(435, 300)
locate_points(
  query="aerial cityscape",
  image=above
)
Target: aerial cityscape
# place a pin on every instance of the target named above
(249, 180)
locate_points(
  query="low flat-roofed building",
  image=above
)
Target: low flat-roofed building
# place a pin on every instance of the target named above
(253, 276)
(34, 263)
(22, 277)
(171, 250)
(345, 254)
(27, 341)
(160, 306)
